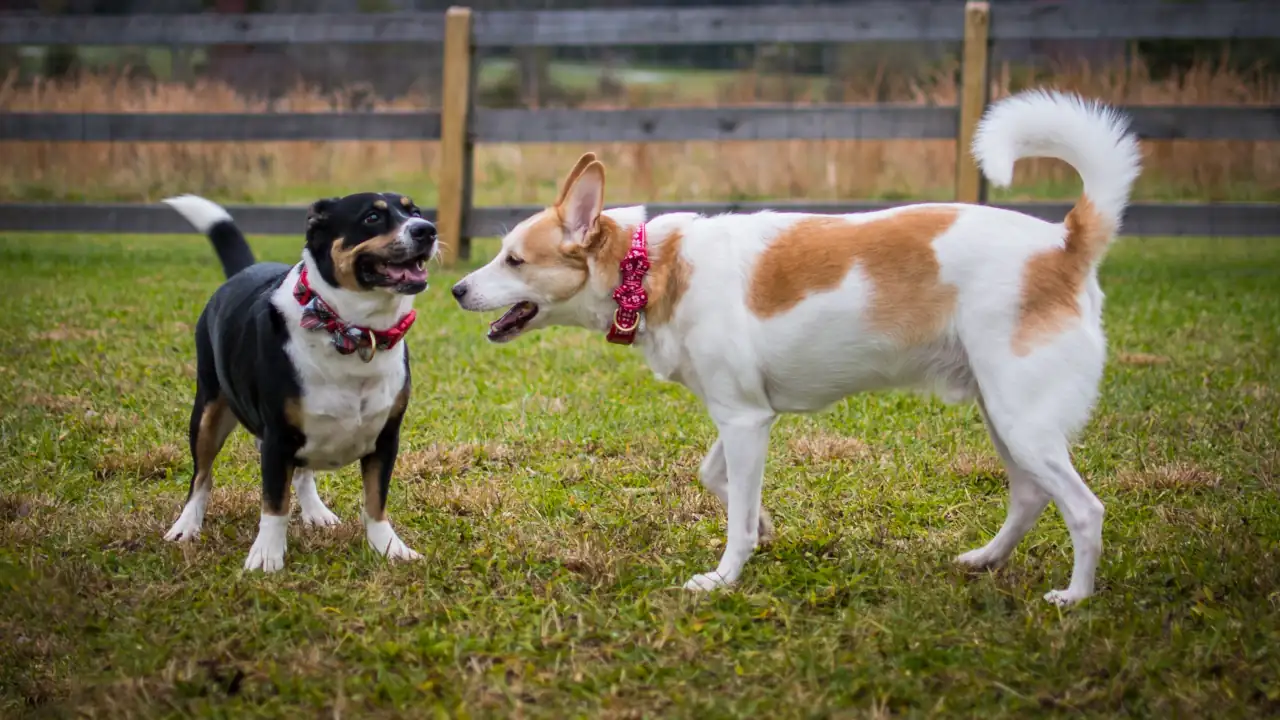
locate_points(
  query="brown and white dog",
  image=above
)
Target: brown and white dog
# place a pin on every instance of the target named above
(784, 312)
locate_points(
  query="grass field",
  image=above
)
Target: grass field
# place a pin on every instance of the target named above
(550, 486)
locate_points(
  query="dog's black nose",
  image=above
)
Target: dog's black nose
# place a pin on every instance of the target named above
(459, 291)
(422, 231)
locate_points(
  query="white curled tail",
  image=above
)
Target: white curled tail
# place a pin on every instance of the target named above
(1091, 137)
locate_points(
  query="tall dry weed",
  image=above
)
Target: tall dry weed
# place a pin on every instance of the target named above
(673, 171)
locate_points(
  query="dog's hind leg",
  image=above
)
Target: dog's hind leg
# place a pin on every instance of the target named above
(1026, 503)
(714, 475)
(1031, 425)
(211, 423)
(313, 508)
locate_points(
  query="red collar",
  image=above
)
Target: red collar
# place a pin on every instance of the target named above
(630, 294)
(347, 339)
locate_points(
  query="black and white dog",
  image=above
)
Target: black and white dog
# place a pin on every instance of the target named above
(309, 359)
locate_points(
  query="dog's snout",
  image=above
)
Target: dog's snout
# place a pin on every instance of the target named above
(459, 291)
(422, 232)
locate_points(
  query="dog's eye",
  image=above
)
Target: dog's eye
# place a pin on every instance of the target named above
(372, 218)
(514, 261)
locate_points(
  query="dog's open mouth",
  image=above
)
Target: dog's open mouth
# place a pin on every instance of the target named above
(512, 321)
(404, 276)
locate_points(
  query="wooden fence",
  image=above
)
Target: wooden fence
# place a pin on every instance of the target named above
(458, 125)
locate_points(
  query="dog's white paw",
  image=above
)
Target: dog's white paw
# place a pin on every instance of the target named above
(706, 582)
(187, 528)
(386, 543)
(319, 516)
(313, 510)
(1064, 598)
(979, 559)
(267, 553)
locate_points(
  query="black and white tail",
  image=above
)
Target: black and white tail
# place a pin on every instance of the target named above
(213, 220)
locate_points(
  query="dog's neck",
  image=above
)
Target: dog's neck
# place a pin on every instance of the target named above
(595, 307)
(374, 309)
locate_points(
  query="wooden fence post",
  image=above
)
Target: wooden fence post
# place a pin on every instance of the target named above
(454, 202)
(970, 185)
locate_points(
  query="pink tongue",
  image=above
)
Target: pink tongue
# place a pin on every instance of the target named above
(406, 273)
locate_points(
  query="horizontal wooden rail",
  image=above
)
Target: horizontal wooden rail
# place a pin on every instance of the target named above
(796, 122)
(800, 122)
(932, 21)
(218, 127)
(221, 29)
(1156, 219)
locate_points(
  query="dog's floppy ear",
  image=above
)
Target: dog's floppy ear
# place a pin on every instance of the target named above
(584, 201)
(583, 162)
(319, 212)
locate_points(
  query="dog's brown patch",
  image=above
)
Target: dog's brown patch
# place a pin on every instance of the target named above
(667, 281)
(380, 204)
(210, 437)
(1052, 280)
(344, 257)
(402, 400)
(406, 202)
(374, 505)
(293, 416)
(895, 252)
(544, 245)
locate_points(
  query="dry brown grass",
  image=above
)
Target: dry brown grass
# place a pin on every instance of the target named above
(511, 173)
(151, 463)
(966, 463)
(55, 403)
(437, 461)
(821, 447)
(1179, 476)
(1142, 359)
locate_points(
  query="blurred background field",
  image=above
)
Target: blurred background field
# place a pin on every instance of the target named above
(399, 78)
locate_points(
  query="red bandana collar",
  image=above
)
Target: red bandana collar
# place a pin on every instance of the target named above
(347, 339)
(630, 294)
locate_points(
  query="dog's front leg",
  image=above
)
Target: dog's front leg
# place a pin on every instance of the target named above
(267, 553)
(714, 475)
(376, 467)
(744, 438)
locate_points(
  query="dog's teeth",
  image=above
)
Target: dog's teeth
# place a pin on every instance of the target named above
(421, 264)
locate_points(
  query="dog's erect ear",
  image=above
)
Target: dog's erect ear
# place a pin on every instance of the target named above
(319, 212)
(584, 201)
(583, 162)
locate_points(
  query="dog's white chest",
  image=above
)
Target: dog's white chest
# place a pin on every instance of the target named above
(342, 421)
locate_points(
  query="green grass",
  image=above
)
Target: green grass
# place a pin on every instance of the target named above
(550, 486)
